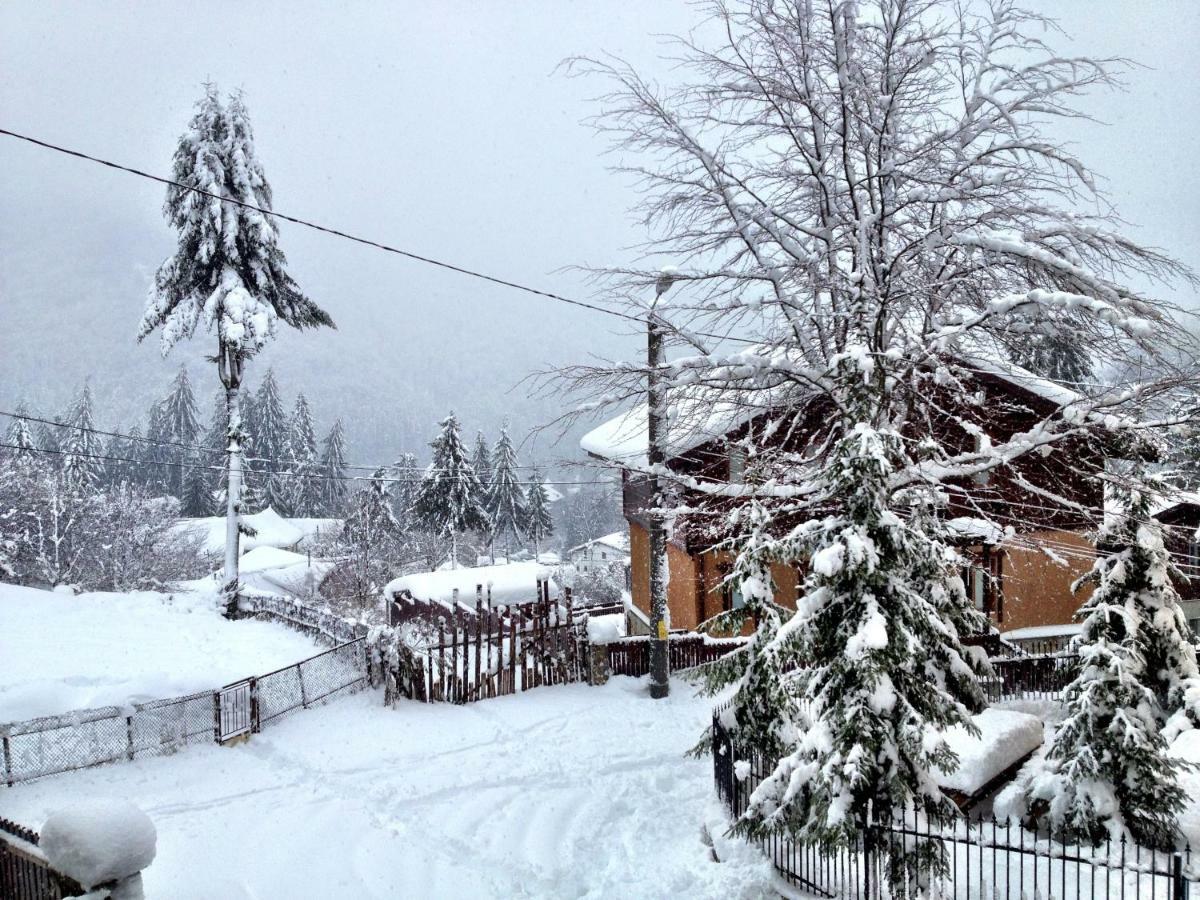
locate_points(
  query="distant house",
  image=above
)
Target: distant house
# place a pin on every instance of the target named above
(600, 553)
(1023, 555)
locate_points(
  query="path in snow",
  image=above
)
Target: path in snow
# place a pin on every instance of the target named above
(568, 791)
(60, 652)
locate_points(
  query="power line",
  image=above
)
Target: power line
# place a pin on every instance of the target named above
(322, 476)
(462, 270)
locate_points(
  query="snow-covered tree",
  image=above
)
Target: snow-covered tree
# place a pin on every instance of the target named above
(869, 193)
(407, 475)
(82, 447)
(538, 522)
(1107, 772)
(506, 508)
(333, 470)
(481, 460)
(268, 423)
(371, 535)
(180, 424)
(154, 453)
(1056, 356)
(199, 499)
(228, 272)
(305, 487)
(19, 436)
(447, 501)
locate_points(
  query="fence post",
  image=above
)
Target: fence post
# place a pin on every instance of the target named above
(1179, 887)
(255, 725)
(8, 772)
(129, 736)
(303, 692)
(217, 716)
(868, 850)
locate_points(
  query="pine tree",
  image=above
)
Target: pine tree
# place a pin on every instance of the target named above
(198, 498)
(1107, 771)
(180, 424)
(539, 523)
(333, 470)
(447, 499)
(404, 488)
(481, 461)
(228, 271)
(272, 451)
(305, 487)
(82, 466)
(506, 507)
(19, 436)
(1055, 353)
(154, 453)
(371, 532)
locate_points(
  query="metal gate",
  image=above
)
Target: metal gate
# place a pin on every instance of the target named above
(234, 711)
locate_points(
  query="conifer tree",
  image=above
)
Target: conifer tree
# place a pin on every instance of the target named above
(371, 532)
(539, 523)
(447, 501)
(82, 466)
(1055, 353)
(19, 436)
(481, 461)
(228, 271)
(154, 453)
(1107, 772)
(506, 506)
(272, 452)
(333, 470)
(304, 487)
(180, 424)
(404, 488)
(198, 498)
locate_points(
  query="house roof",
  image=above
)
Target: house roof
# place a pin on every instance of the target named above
(704, 414)
(506, 584)
(618, 540)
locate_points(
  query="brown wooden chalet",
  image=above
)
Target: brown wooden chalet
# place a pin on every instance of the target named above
(1025, 550)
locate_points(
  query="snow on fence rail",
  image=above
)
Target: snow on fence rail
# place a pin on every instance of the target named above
(25, 873)
(78, 740)
(321, 624)
(985, 858)
(631, 655)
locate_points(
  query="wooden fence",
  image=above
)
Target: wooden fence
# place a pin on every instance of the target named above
(631, 656)
(494, 651)
(25, 873)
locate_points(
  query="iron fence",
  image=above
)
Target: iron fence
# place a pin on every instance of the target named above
(1041, 677)
(25, 873)
(86, 738)
(983, 858)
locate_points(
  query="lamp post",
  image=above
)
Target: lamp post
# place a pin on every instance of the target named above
(655, 457)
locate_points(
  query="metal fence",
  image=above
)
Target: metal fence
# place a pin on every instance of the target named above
(321, 624)
(25, 873)
(85, 738)
(983, 858)
(1041, 677)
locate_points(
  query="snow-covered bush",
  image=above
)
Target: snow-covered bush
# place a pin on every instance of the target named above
(101, 842)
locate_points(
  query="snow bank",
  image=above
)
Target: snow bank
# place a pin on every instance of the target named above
(273, 530)
(605, 629)
(512, 583)
(1005, 737)
(100, 840)
(1187, 748)
(60, 652)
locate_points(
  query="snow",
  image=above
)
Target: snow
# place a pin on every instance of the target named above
(981, 530)
(62, 653)
(274, 570)
(1005, 736)
(605, 629)
(273, 530)
(1187, 748)
(511, 583)
(98, 840)
(1031, 632)
(618, 540)
(565, 791)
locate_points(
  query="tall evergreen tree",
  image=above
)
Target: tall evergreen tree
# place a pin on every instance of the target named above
(539, 523)
(1107, 772)
(228, 271)
(506, 506)
(333, 470)
(180, 424)
(372, 534)
(404, 488)
(155, 453)
(1055, 353)
(447, 501)
(198, 499)
(305, 487)
(19, 435)
(269, 427)
(82, 466)
(481, 460)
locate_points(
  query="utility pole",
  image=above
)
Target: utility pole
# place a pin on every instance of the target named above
(229, 367)
(655, 457)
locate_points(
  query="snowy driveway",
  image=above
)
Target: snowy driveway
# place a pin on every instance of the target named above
(567, 791)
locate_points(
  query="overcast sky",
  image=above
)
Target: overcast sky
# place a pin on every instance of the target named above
(438, 127)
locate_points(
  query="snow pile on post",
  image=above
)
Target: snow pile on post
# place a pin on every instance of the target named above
(101, 841)
(514, 583)
(605, 629)
(1005, 737)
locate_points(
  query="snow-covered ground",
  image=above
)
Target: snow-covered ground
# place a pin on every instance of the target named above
(60, 652)
(568, 791)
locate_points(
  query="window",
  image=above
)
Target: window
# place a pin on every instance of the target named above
(1194, 624)
(978, 588)
(982, 444)
(736, 600)
(603, 555)
(1193, 556)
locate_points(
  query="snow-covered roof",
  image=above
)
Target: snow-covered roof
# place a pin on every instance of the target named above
(273, 530)
(1034, 632)
(705, 414)
(511, 583)
(618, 540)
(978, 529)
